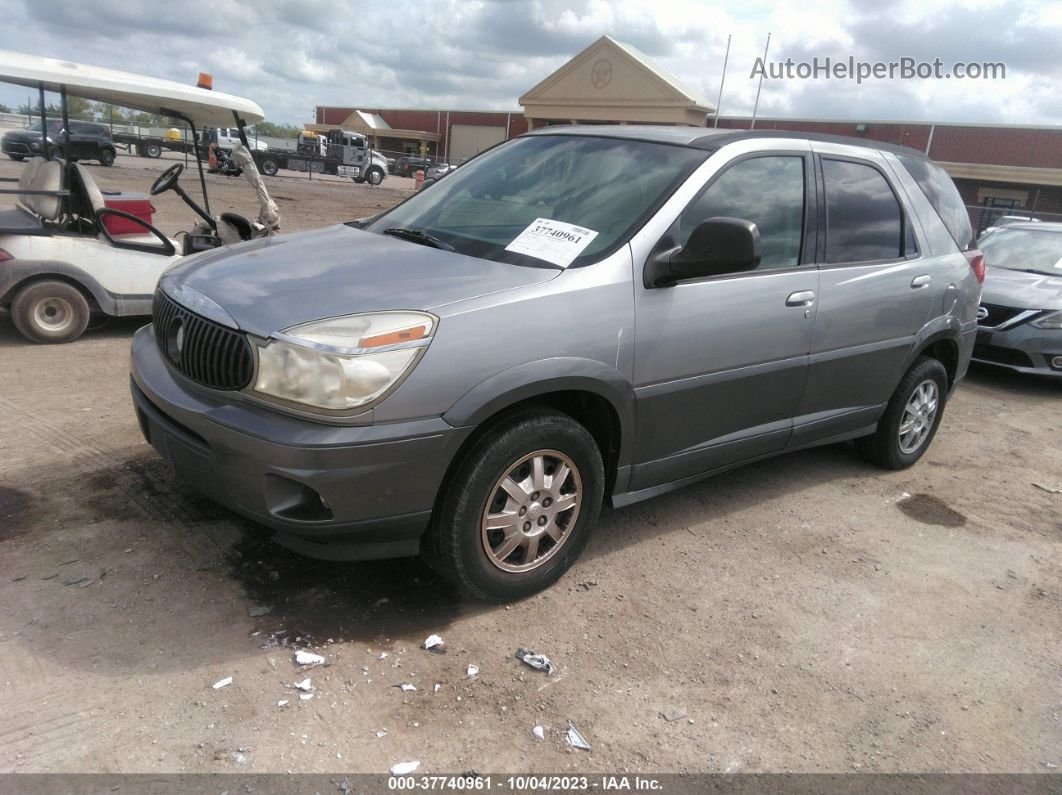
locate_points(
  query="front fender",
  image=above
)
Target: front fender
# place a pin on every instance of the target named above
(559, 374)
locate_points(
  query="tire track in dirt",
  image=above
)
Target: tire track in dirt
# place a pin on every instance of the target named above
(33, 732)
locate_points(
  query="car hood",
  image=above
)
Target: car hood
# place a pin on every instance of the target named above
(1022, 290)
(21, 135)
(270, 284)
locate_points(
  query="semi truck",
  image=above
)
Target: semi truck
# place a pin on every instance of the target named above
(347, 154)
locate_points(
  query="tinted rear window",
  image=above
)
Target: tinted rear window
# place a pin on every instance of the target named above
(944, 196)
(863, 218)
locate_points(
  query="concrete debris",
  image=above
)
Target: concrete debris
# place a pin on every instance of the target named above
(304, 685)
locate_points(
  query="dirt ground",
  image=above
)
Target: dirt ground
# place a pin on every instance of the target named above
(809, 613)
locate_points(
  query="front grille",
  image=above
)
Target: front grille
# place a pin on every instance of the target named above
(993, 353)
(206, 352)
(997, 315)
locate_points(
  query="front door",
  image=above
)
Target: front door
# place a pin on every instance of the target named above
(720, 362)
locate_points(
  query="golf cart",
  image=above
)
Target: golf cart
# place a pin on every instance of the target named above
(69, 250)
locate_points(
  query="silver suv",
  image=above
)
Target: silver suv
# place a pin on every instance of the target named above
(576, 315)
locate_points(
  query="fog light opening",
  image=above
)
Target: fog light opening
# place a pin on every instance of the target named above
(289, 499)
(1056, 362)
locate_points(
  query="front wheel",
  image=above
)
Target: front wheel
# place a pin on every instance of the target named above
(50, 312)
(269, 167)
(107, 157)
(911, 417)
(17, 157)
(375, 176)
(520, 507)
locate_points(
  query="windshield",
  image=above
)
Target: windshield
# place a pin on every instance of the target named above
(1024, 250)
(604, 186)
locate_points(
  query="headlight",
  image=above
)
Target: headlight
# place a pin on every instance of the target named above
(343, 363)
(1052, 320)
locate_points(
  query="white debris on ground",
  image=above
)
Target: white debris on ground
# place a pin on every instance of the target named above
(303, 657)
(575, 738)
(472, 670)
(223, 683)
(538, 661)
(539, 732)
(404, 768)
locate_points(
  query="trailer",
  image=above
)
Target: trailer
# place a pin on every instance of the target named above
(153, 145)
(347, 154)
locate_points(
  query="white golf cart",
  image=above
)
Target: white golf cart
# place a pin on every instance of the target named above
(69, 250)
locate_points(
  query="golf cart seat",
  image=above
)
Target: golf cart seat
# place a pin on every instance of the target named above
(31, 211)
(87, 202)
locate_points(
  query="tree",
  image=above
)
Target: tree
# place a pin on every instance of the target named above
(4, 108)
(106, 113)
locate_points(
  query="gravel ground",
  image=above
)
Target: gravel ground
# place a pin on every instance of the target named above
(810, 613)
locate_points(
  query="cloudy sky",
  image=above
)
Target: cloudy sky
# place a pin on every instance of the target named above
(483, 54)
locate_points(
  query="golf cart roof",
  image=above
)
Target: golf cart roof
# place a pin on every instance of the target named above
(125, 89)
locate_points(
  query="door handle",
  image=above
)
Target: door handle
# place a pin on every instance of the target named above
(921, 281)
(801, 298)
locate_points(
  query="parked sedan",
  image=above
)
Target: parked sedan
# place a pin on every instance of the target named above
(1020, 318)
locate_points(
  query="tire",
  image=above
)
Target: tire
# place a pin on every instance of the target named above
(911, 417)
(107, 157)
(524, 453)
(358, 180)
(50, 312)
(375, 176)
(19, 158)
(269, 167)
(152, 150)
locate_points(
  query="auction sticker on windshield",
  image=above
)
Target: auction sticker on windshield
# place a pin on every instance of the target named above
(553, 241)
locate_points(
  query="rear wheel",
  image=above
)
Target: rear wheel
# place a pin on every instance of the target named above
(152, 150)
(17, 157)
(520, 507)
(107, 157)
(911, 417)
(269, 167)
(50, 312)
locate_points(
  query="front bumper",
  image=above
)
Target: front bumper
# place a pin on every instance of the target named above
(1023, 348)
(336, 492)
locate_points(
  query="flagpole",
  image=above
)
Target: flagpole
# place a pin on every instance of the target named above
(760, 84)
(722, 80)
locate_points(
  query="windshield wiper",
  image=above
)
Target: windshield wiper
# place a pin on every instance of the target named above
(416, 236)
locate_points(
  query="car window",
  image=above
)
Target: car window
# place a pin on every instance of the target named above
(863, 217)
(769, 191)
(605, 185)
(944, 196)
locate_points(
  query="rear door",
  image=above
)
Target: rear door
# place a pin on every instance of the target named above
(720, 362)
(875, 294)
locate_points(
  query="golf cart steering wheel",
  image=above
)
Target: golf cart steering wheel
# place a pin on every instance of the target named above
(167, 179)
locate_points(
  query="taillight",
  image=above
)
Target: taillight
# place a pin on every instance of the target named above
(977, 264)
(4, 256)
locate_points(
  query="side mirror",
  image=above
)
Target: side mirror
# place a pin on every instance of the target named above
(717, 246)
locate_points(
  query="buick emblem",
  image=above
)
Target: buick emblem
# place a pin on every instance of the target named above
(982, 313)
